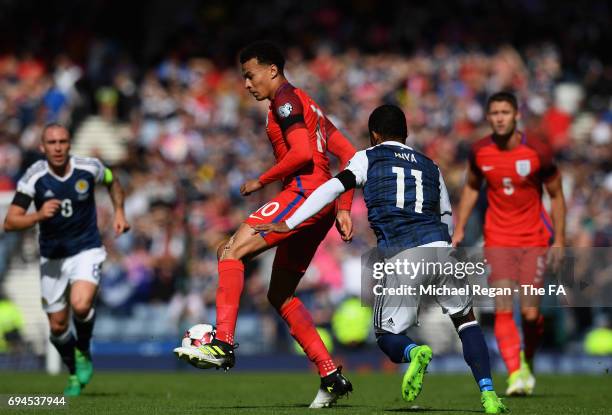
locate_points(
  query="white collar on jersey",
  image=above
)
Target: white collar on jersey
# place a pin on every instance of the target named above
(396, 143)
(68, 174)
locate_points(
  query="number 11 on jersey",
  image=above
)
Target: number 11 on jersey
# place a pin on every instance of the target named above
(401, 187)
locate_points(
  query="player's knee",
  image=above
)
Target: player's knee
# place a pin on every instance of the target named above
(277, 301)
(58, 327)
(223, 246)
(231, 249)
(463, 317)
(530, 313)
(81, 307)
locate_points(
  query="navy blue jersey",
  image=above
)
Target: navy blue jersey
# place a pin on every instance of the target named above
(74, 227)
(404, 193)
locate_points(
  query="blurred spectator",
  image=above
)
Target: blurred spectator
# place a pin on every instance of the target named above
(11, 326)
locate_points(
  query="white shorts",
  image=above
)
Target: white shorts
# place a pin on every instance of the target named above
(396, 313)
(57, 274)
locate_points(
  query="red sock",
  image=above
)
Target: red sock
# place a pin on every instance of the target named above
(508, 340)
(532, 334)
(304, 332)
(231, 281)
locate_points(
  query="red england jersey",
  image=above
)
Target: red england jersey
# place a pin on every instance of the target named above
(292, 108)
(515, 216)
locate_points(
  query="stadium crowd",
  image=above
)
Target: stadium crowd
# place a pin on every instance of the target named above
(195, 136)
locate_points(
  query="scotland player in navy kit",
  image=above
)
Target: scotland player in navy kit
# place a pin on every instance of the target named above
(62, 188)
(408, 207)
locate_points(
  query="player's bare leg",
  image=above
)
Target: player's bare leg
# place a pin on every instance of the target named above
(508, 337)
(244, 244)
(65, 343)
(82, 297)
(283, 284)
(533, 329)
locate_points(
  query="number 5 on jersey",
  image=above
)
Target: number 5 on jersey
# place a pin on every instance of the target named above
(418, 181)
(507, 184)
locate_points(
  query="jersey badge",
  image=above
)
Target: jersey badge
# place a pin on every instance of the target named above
(285, 110)
(49, 193)
(523, 167)
(81, 186)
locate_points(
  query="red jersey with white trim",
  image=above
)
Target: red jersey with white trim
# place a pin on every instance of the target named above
(515, 216)
(292, 108)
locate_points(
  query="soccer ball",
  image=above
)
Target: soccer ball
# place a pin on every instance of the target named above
(198, 335)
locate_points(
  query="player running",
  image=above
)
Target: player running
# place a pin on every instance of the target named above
(514, 167)
(300, 135)
(408, 207)
(62, 188)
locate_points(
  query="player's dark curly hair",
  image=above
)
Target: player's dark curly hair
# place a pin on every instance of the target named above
(265, 52)
(503, 96)
(390, 122)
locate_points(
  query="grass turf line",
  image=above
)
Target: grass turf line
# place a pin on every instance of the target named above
(291, 393)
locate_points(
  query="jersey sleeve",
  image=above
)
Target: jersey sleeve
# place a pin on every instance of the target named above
(100, 170)
(93, 166)
(330, 128)
(26, 188)
(548, 168)
(298, 155)
(358, 165)
(288, 111)
(26, 184)
(341, 147)
(446, 211)
(472, 164)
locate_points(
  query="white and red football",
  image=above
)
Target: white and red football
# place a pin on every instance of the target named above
(198, 335)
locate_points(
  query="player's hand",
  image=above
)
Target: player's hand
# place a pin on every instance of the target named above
(280, 227)
(344, 224)
(458, 236)
(555, 256)
(49, 209)
(120, 224)
(250, 186)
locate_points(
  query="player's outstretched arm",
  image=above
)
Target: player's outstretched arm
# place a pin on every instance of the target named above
(17, 219)
(279, 227)
(120, 223)
(469, 196)
(321, 197)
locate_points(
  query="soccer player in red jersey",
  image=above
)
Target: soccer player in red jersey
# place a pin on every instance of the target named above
(300, 135)
(515, 168)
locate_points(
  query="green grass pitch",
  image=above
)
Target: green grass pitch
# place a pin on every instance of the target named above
(290, 393)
